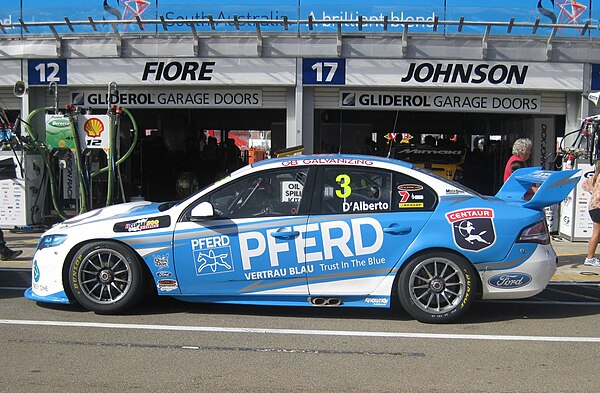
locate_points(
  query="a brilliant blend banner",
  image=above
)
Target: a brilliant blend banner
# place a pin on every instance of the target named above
(423, 12)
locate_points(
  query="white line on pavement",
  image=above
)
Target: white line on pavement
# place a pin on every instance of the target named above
(12, 269)
(216, 329)
(552, 302)
(574, 283)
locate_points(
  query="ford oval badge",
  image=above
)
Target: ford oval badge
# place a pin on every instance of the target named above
(509, 280)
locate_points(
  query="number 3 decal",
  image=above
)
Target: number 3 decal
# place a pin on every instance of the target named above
(344, 181)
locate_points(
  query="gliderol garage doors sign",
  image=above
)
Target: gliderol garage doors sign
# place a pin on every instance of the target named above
(155, 98)
(441, 101)
(439, 85)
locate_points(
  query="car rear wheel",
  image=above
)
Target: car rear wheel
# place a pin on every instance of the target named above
(437, 288)
(106, 277)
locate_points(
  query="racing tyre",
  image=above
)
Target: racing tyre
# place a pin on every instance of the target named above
(106, 277)
(437, 288)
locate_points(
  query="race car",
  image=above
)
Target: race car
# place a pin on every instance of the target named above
(322, 231)
(447, 162)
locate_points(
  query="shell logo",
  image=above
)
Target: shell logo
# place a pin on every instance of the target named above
(93, 127)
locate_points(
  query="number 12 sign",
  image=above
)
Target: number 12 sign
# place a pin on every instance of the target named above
(44, 72)
(324, 71)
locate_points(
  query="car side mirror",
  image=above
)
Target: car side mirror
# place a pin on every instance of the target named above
(202, 211)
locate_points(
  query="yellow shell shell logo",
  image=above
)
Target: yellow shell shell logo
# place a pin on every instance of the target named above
(93, 127)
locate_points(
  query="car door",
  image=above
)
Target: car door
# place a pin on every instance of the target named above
(253, 242)
(365, 219)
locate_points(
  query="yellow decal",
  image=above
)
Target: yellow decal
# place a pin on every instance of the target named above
(410, 205)
(344, 181)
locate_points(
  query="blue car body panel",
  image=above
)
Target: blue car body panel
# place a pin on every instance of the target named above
(354, 256)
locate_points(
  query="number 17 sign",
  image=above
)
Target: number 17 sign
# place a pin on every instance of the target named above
(324, 71)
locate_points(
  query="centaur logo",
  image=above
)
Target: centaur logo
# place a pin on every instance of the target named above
(472, 229)
(466, 73)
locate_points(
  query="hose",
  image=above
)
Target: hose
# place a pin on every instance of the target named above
(112, 127)
(80, 170)
(125, 156)
(43, 153)
(82, 183)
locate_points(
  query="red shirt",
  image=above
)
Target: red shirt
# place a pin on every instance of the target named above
(507, 170)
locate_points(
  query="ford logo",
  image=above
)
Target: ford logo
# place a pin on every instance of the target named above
(509, 280)
(164, 274)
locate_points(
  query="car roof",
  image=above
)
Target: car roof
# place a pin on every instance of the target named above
(319, 159)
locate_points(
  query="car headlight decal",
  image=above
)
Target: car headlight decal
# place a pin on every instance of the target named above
(51, 241)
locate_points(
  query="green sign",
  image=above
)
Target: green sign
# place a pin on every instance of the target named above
(59, 134)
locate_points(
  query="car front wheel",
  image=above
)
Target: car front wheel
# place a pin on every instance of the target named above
(437, 288)
(106, 277)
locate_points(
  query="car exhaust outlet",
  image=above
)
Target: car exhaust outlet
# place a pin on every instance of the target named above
(325, 301)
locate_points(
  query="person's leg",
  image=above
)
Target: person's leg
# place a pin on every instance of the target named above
(5, 252)
(593, 242)
(591, 259)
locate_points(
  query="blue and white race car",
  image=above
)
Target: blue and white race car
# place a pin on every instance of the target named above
(324, 230)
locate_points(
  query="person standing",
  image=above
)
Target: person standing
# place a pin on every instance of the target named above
(233, 156)
(5, 252)
(211, 154)
(521, 151)
(369, 147)
(592, 185)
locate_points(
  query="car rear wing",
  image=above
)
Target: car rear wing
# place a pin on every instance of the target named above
(552, 186)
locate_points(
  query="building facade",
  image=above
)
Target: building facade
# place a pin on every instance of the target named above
(329, 76)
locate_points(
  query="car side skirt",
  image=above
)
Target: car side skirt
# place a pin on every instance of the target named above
(302, 300)
(57, 298)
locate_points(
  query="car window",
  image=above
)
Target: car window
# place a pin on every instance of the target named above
(269, 193)
(411, 194)
(348, 190)
(451, 184)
